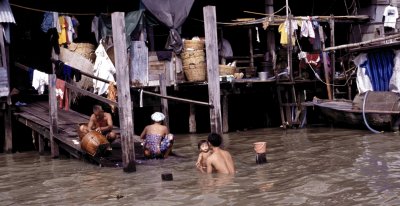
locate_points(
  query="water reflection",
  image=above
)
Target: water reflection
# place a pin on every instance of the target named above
(314, 166)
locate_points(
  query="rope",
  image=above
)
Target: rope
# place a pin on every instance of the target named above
(39, 10)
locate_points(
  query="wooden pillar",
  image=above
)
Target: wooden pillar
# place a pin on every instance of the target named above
(326, 69)
(225, 113)
(41, 144)
(251, 48)
(7, 113)
(53, 113)
(290, 48)
(192, 118)
(8, 131)
(164, 101)
(210, 30)
(124, 95)
(332, 26)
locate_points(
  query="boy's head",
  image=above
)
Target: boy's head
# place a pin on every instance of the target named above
(214, 139)
(203, 145)
(98, 112)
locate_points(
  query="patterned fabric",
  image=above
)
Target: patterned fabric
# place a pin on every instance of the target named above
(157, 144)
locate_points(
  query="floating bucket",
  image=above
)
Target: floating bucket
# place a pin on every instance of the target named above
(260, 147)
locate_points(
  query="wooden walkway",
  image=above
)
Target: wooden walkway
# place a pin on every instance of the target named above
(35, 115)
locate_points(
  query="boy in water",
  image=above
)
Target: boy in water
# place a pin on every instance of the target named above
(205, 152)
(220, 161)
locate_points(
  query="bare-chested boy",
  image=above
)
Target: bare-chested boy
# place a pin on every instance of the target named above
(221, 160)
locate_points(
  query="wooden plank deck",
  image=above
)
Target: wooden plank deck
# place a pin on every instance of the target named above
(35, 115)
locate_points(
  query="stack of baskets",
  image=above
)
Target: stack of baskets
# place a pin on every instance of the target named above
(194, 61)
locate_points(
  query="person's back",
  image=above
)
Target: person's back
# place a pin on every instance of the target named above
(157, 139)
(220, 161)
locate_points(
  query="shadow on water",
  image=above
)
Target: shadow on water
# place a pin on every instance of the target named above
(313, 166)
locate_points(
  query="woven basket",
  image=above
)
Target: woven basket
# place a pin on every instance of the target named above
(187, 54)
(85, 49)
(193, 44)
(226, 70)
(195, 73)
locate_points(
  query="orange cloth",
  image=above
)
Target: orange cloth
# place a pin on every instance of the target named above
(62, 96)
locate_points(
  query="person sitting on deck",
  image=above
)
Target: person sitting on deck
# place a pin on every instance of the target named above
(101, 122)
(156, 138)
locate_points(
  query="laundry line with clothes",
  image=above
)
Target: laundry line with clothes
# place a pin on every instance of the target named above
(65, 74)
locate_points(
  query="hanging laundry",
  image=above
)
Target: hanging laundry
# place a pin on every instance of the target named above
(70, 29)
(62, 94)
(391, 14)
(47, 22)
(95, 27)
(39, 80)
(284, 28)
(103, 68)
(62, 39)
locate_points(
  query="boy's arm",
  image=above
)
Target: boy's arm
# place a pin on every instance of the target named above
(91, 123)
(198, 163)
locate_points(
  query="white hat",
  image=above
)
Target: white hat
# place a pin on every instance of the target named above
(157, 116)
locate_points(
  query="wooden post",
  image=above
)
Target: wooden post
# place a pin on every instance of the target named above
(164, 101)
(139, 72)
(251, 49)
(124, 95)
(326, 69)
(290, 48)
(53, 115)
(7, 113)
(210, 30)
(8, 131)
(333, 62)
(41, 144)
(192, 118)
(225, 113)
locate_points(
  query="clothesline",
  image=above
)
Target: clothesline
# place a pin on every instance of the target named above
(54, 61)
(280, 19)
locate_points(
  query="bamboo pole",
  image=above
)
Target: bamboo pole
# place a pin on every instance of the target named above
(360, 44)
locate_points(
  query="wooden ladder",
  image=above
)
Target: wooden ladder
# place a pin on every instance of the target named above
(289, 106)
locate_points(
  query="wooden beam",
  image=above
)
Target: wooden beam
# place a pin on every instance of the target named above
(178, 99)
(333, 58)
(192, 118)
(8, 131)
(361, 44)
(210, 30)
(90, 94)
(225, 113)
(164, 102)
(40, 144)
(124, 95)
(325, 59)
(53, 115)
(139, 73)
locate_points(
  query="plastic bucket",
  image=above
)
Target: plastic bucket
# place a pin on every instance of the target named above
(263, 75)
(260, 147)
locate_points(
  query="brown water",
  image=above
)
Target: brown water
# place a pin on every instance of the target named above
(314, 166)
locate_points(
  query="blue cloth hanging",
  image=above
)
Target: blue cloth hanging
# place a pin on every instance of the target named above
(379, 68)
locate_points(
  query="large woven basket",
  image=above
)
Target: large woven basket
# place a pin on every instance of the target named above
(85, 49)
(193, 44)
(195, 73)
(226, 70)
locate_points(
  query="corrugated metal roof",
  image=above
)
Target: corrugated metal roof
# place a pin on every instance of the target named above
(6, 15)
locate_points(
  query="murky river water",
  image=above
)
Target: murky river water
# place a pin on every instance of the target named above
(314, 166)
